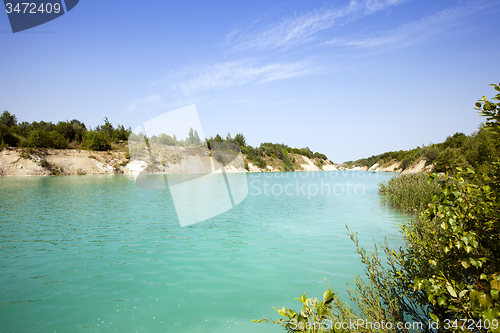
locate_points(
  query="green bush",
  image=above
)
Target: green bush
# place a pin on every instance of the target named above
(287, 164)
(162, 139)
(219, 157)
(450, 159)
(240, 140)
(56, 140)
(321, 156)
(38, 139)
(7, 138)
(42, 139)
(66, 130)
(22, 141)
(430, 154)
(44, 163)
(279, 153)
(120, 133)
(259, 162)
(455, 141)
(99, 140)
(452, 263)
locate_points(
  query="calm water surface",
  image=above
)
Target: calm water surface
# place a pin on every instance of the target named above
(82, 253)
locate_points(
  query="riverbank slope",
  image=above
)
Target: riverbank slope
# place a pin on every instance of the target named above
(46, 162)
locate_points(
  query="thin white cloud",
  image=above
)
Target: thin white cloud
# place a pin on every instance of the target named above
(301, 29)
(148, 101)
(235, 73)
(413, 32)
(372, 6)
(185, 84)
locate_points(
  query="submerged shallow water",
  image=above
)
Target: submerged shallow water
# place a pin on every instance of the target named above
(81, 253)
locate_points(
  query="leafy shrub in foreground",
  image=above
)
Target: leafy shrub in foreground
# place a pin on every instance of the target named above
(452, 262)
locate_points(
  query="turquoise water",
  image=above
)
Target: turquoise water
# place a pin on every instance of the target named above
(81, 253)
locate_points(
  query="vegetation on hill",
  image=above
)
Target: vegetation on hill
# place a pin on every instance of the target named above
(478, 150)
(74, 134)
(59, 136)
(192, 140)
(270, 151)
(447, 279)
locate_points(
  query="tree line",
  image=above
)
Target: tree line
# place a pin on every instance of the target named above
(478, 150)
(277, 151)
(62, 135)
(74, 133)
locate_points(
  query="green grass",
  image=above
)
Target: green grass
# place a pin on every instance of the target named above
(408, 193)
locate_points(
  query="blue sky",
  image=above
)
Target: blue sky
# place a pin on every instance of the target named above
(347, 78)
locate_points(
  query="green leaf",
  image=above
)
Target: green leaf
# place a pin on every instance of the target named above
(418, 285)
(451, 291)
(290, 313)
(494, 294)
(484, 299)
(302, 299)
(462, 293)
(322, 311)
(328, 296)
(465, 264)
